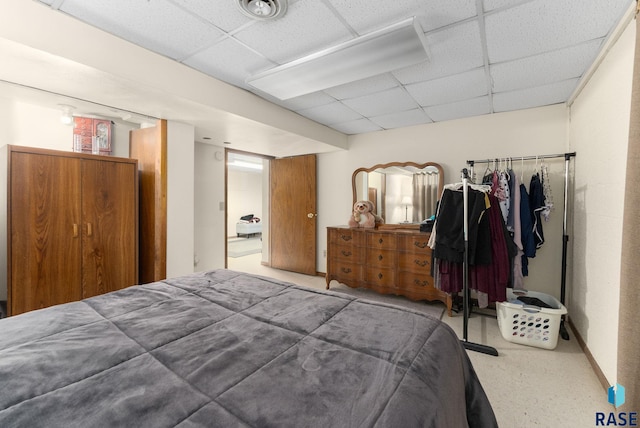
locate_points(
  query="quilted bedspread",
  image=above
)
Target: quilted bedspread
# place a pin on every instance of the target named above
(228, 349)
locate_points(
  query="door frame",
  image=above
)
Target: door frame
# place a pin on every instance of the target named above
(266, 197)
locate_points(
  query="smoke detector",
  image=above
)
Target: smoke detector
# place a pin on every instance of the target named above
(263, 9)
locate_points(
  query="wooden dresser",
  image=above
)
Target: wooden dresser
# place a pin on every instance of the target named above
(390, 261)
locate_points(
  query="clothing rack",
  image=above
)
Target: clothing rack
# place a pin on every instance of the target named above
(565, 237)
(465, 274)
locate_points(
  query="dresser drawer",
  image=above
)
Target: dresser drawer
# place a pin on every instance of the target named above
(417, 243)
(386, 241)
(380, 258)
(411, 280)
(347, 253)
(345, 272)
(378, 276)
(419, 263)
(346, 237)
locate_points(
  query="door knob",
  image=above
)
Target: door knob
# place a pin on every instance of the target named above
(312, 215)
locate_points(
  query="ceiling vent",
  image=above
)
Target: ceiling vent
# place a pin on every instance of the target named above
(263, 9)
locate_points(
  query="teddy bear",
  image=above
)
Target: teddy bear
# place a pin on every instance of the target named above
(363, 215)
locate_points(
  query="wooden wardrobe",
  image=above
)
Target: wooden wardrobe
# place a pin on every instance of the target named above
(72, 226)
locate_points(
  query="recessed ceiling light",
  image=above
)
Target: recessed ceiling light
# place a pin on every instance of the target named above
(263, 9)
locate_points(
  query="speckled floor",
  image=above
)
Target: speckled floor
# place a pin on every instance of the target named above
(527, 386)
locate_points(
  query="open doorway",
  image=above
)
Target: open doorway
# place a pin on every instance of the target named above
(247, 210)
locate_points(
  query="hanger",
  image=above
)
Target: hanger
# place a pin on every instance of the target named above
(458, 186)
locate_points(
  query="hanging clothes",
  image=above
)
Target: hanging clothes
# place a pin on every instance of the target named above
(491, 280)
(505, 203)
(490, 247)
(517, 280)
(528, 241)
(449, 238)
(513, 193)
(546, 191)
(536, 205)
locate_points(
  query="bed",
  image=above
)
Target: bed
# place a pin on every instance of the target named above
(248, 228)
(224, 348)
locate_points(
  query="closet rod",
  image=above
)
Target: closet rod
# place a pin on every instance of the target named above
(559, 155)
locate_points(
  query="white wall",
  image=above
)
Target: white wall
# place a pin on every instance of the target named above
(599, 132)
(209, 211)
(180, 199)
(451, 144)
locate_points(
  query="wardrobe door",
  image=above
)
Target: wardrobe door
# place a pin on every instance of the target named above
(109, 213)
(45, 240)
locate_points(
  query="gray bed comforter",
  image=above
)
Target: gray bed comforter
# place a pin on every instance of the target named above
(228, 349)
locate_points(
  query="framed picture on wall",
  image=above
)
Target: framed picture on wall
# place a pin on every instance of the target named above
(87, 131)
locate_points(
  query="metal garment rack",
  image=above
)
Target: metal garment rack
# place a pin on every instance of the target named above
(565, 237)
(465, 274)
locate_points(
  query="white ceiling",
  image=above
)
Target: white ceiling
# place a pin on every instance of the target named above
(486, 56)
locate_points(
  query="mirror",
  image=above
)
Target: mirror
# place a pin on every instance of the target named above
(404, 193)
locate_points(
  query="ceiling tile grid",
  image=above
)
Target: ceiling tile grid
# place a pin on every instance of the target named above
(485, 56)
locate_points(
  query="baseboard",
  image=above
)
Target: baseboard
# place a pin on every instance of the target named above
(594, 365)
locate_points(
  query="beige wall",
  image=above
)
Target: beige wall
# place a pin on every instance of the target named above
(180, 199)
(209, 239)
(599, 132)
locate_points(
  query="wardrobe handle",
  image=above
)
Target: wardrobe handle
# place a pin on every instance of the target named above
(89, 229)
(75, 230)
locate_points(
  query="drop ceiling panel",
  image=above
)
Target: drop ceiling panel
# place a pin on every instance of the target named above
(335, 112)
(381, 103)
(451, 51)
(401, 119)
(357, 126)
(542, 69)
(307, 27)
(229, 60)
(158, 25)
(222, 14)
(544, 25)
(367, 15)
(534, 97)
(458, 110)
(450, 89)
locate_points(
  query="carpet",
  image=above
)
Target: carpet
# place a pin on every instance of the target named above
(238, 247)
(435, 309)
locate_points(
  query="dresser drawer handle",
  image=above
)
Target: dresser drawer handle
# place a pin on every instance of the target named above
(346, 253)
(380, 257)
(420, 244)
(346, 270)
(420, 283)
(346, 237)
(422, 263)
(380, 275)
(380, 241)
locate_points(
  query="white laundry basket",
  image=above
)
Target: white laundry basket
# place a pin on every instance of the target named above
(527, 324)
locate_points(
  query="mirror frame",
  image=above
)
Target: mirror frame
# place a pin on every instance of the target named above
(398, 164)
